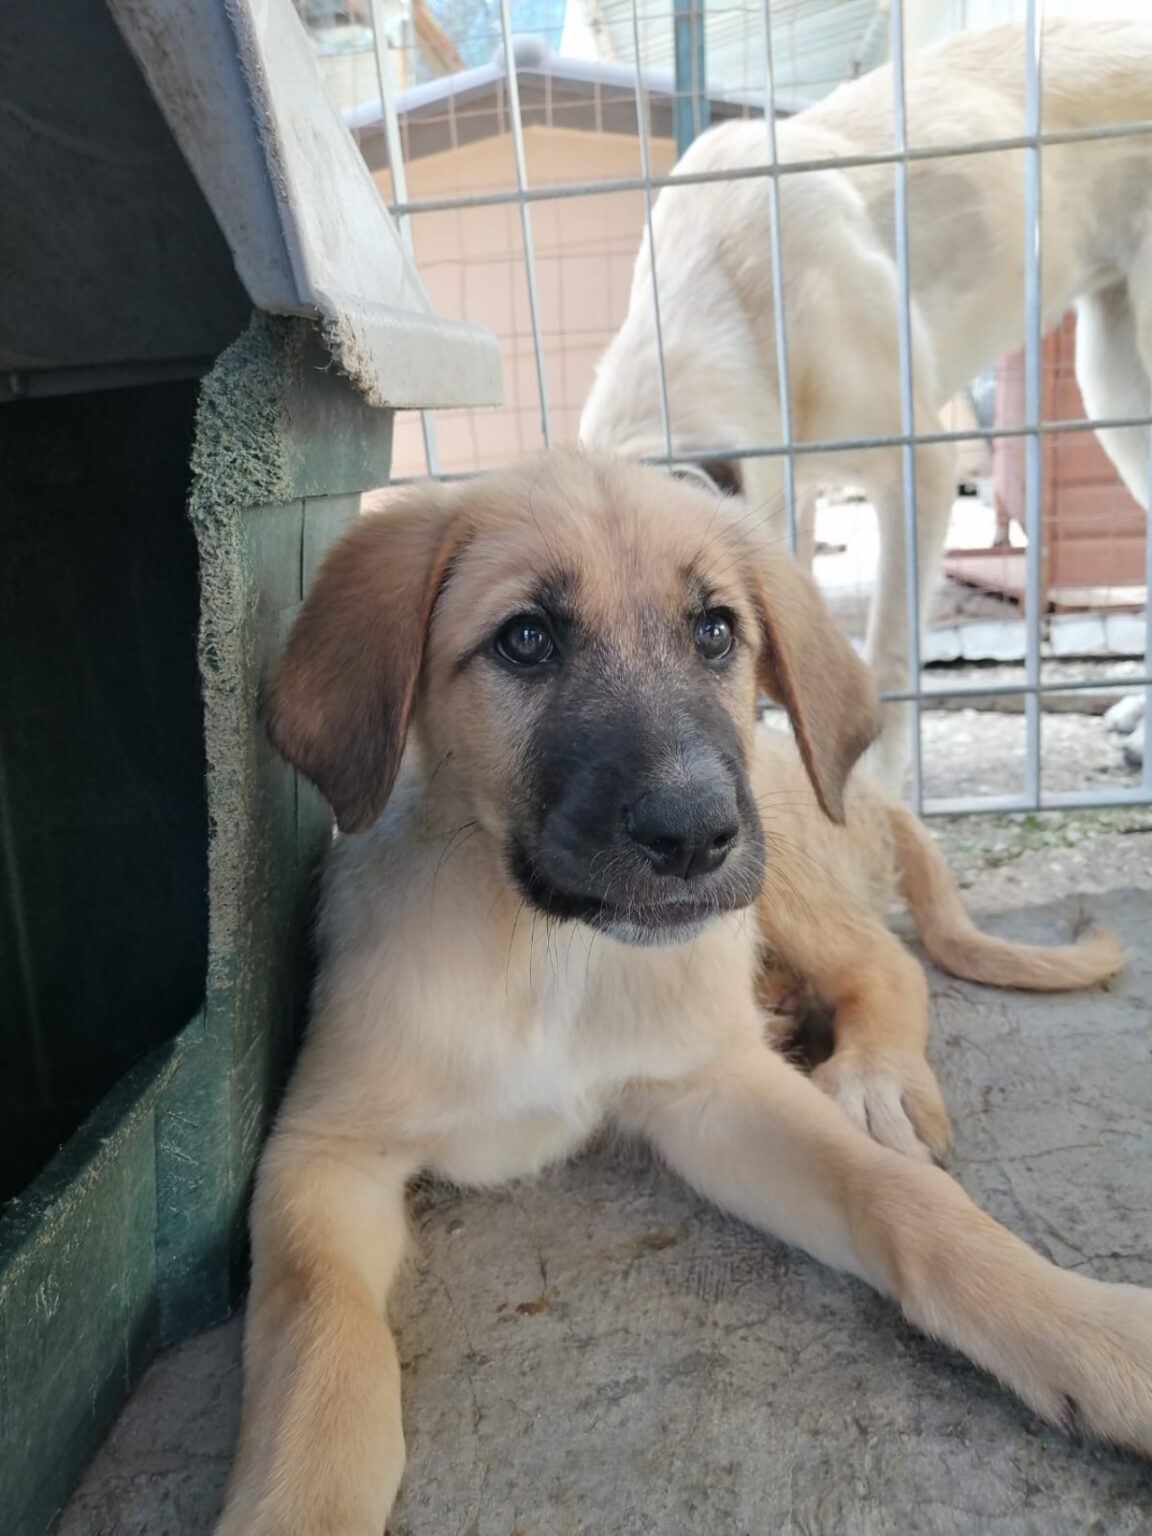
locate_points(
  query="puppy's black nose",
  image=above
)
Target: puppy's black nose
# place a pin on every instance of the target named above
(684, 832)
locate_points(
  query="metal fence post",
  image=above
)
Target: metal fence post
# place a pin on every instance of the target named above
(691, 109)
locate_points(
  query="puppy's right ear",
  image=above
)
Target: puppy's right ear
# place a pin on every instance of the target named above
(339, 701)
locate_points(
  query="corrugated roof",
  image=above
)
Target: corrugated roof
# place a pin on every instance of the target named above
(595, 95)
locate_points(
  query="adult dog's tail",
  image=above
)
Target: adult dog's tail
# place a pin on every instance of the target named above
(958, 946)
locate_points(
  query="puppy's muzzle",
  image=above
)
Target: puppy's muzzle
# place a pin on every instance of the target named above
(645, 856)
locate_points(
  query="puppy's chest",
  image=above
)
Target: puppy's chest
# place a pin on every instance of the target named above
(548, 1067)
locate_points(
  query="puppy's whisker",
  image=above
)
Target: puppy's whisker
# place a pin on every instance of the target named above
(456, 840)
(511, 945)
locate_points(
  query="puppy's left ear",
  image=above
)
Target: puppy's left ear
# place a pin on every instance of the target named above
(808, 666)
(339, 702)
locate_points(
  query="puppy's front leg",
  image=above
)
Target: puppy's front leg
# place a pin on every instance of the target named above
(756, 1137)
(878, 1071)
(321, 1445)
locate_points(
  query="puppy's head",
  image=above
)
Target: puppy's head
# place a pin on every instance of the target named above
(579, 644)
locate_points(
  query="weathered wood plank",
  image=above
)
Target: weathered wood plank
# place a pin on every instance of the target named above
(78, 1296)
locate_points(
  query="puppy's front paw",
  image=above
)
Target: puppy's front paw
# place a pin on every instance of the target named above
(894, 1096)
(1093, 1378)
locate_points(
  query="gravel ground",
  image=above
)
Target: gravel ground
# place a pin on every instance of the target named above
(1003, 862)
(982, 752)
(1018, 860)
(1021, 859)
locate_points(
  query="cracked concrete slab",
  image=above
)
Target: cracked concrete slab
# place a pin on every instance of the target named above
(601, 1352)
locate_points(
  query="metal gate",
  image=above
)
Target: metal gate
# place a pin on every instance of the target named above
(667, 109)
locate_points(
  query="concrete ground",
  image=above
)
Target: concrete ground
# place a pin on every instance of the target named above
(602, 1352)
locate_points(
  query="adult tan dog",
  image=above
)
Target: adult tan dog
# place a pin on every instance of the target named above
(713, 245)
(573, 651)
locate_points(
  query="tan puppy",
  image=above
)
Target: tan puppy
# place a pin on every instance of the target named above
(554, 911)
(713, 245)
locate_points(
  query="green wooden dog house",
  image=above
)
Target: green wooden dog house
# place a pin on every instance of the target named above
(207, 322)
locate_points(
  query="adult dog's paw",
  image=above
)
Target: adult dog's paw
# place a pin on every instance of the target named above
(1127, 719)
(894, 1096)
(1135, 746)
(1125, 715)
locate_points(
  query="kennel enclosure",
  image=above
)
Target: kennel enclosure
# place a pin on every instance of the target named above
(556, 199)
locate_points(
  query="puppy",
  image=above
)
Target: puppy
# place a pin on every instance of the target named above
(712, 247)
(568, 866)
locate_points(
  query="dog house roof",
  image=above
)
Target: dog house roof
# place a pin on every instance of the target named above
(116, 258)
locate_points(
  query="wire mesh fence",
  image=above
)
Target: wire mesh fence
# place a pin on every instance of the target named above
(524, 180)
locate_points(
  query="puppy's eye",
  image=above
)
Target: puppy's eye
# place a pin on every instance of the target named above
(525, 642)
(714, 638)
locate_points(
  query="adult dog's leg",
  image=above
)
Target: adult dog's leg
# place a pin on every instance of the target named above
(754, 1136)
(886, 645)
(878, 992)
(321, 1446)
(806, 499)
(1114, 370)
(1113, 374)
